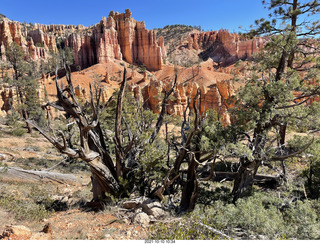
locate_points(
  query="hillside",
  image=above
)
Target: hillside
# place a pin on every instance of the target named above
(103, 50)
(173, 36)
(27, 207)
(114, 131)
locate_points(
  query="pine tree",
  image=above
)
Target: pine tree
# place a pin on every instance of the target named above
(25, 83)
(283, 81)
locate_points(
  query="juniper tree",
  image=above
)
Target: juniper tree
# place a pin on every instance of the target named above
(24, 80)
(278, 92)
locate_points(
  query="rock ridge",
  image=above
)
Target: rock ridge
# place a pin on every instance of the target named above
(118, 37)
(223, 47)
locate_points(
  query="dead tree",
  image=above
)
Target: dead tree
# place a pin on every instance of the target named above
(190, 187)
(92, 147)
(106, 174)
(188, 152)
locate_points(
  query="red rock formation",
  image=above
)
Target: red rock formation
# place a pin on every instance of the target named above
(2, 52)
(212, 97)
(36, 40)
(106, 78)
(152, 95)
(84, 55)
(58, 30)
(36, 52)
(224, 47)
(106, 41)
(6, 99)
(11, 31)
(43, 39)
(119, 36)
(201, 40)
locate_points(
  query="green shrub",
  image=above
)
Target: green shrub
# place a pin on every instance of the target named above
(268, 216)
(18, 131)
(186, 229)
(13, 118)
(24, 209)
(260, 216)
(311, 171)
(303, 220)
(251, 215)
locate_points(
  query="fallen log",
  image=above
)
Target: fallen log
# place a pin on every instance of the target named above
(267, 181)
(10, 174)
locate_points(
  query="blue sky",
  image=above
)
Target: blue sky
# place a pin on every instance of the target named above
(210, 14)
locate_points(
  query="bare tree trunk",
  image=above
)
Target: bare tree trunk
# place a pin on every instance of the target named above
(282, 133)
(310, 184)
(244, 179)
(24, 113)
(190, 189)
(118, 129)
(102, 180)
(26, 117)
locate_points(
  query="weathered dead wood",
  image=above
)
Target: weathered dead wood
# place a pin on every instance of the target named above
(118, 138)
(212, 173)
(165, 185)
(91, 148)
(268, 181)
(190, 189)
(10, 174)
(185, 145)
(215, 231)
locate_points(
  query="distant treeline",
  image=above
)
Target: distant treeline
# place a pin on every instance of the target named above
(197, 27)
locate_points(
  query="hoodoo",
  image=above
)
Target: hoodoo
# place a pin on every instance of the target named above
(118, 37)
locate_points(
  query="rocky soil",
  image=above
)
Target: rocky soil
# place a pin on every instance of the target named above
(73, 216)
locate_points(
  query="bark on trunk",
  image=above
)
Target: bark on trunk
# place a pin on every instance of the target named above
(97, 190)
(190, 188)
(266, 181)
(282, 133)
(26, 117)
(244, 179)
(102, 180)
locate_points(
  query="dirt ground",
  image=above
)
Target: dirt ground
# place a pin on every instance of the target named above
(76, 224)
(73, 223)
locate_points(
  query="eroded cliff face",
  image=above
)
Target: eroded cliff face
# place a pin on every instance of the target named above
(215, 89)
(138, 44)
(35, 43)
(11, 32)
(47, 41)
(223, 47)
(212, 97)
(59, 30)
(118, 37)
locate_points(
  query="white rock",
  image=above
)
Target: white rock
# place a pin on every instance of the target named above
(141, 219)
